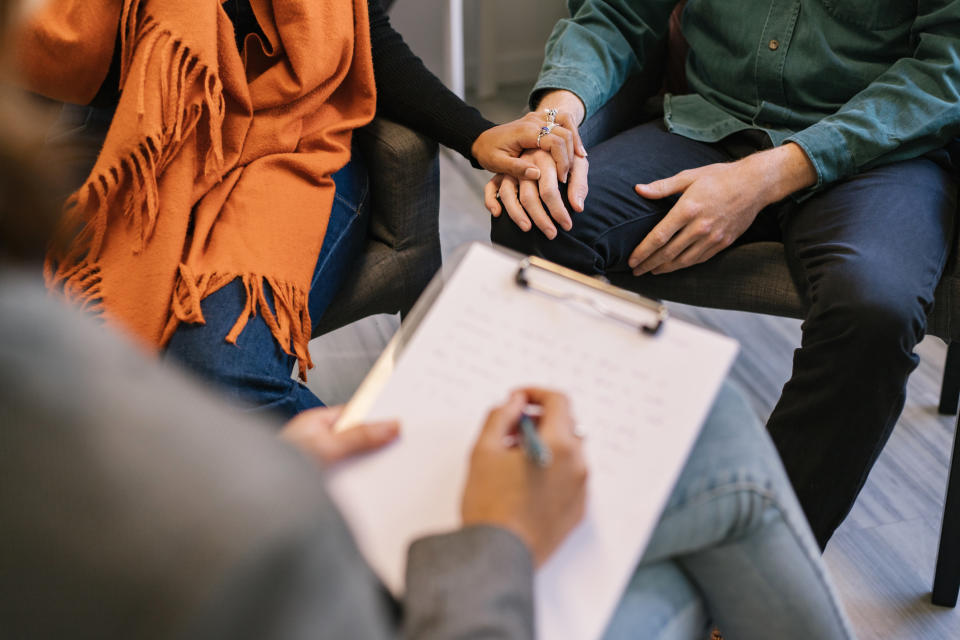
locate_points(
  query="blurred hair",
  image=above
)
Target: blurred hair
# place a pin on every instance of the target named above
(29, 169)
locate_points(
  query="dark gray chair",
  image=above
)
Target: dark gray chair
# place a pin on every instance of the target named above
(403, 241)
(754, 277)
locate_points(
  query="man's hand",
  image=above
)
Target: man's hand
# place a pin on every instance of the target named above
(523, 196)
(541, 505)
(499, 149)
(719, 202)
(524, 199)
(312, 431)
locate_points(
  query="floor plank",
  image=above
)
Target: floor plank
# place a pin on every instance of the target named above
(884, 574)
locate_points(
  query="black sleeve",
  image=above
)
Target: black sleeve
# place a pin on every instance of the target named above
(409, 94)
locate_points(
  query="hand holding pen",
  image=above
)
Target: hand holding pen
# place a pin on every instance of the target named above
(537, 491)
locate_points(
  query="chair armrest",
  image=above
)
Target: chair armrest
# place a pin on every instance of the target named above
(403, 245)
(404, 184)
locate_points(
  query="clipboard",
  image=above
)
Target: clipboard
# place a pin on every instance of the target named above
(597, 295)
(590, 298)
(641, 385)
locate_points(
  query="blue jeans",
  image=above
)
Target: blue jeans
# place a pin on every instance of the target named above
(256, 370)
(731, 547)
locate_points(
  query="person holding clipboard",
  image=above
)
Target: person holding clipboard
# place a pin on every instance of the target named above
(190, 519)
(174, 515)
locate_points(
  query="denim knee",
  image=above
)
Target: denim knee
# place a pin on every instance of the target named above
(565, 249)
(874, 317)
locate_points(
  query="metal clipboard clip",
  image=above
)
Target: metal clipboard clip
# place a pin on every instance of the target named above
(533, 262)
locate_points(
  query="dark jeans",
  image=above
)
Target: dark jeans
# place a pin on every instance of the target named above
(867, 253)
(256, 370)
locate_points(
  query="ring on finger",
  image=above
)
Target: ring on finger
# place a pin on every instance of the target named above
(551, 115)
(545, 131)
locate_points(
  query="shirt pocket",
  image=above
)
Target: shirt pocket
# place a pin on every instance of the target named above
(872, 14)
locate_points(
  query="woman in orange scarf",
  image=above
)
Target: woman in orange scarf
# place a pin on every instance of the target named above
(209, 221)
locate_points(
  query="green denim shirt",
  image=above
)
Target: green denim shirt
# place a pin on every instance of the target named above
(855, 83)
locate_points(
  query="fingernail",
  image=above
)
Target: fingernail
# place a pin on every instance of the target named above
(632, 263)
(385, 429)
(551, 233)
(532, 174)
(580, 202)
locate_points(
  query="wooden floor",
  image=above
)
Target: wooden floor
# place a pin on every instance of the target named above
(881, 559)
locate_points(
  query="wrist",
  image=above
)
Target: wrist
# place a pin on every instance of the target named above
(563, 100)
(474, 146)
(782, 171)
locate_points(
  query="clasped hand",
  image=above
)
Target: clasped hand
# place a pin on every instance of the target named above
(501, 149)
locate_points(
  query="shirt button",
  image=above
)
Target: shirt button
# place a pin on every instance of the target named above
(774, 45)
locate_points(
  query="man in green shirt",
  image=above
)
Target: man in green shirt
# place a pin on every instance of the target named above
(829, 125)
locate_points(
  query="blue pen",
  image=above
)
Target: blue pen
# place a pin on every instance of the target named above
(537, 450)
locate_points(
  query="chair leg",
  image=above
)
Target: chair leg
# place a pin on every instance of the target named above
(950, 390)
(946, 581)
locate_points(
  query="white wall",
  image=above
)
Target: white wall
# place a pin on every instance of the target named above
(523, 28)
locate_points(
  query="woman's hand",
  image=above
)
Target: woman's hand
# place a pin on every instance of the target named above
(499, 149)
(524, 196)
(312, 431)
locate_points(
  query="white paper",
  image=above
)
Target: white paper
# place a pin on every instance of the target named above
(640, 401)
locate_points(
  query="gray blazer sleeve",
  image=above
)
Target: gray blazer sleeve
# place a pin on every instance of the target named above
(475, 583)
(135, 504)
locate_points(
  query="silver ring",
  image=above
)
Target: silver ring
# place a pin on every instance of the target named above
(551, 115)
(545, 131)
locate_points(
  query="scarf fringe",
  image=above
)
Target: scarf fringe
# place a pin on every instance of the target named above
(289, 320)
(82, 287)
(135, 174)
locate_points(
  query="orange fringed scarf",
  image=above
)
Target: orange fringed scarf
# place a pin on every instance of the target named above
(215, 167)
